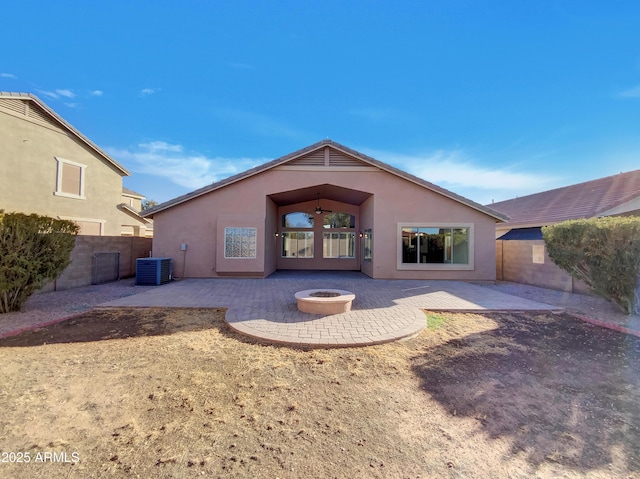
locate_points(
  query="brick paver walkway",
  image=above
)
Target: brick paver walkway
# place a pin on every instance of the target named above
(383, 311)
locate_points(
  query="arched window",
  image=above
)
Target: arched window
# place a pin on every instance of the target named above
(339, 220)
(297, 220)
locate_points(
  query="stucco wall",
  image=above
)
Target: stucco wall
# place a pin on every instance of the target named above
(398, 202)
(366, 223)
(515, 262)
(28, 170)
(394, 201)
(80, 271)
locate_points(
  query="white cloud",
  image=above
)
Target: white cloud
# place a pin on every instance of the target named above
(452, 169)
(96, 93)
(157, 146)
(148, 91)
(66, 93)
(48, 93)
(630, 93)
(188, 170)
(8, 75)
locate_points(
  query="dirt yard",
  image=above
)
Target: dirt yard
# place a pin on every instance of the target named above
(173, 393)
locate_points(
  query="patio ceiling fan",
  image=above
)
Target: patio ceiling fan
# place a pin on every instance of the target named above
(319, 210)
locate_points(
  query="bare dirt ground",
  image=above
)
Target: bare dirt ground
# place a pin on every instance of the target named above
(174, 393)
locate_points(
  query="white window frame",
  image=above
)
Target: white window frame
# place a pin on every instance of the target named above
(75, 219)
(59, 192)
(367, 244)
(338, 232)
(306, 241)
(436, 266)
(254, 235)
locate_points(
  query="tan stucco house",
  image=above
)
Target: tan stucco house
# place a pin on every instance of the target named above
(132, 205)
(49, 168)
(326, 207)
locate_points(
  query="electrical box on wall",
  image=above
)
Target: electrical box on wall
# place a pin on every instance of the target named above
(183, 247)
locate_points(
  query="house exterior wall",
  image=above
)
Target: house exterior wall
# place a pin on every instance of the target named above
(394, 201)
(271, 245)
(28, 174)
(399, 203)
(367, 224)
(520, 262)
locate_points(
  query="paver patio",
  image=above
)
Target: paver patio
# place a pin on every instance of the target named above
(383, 311)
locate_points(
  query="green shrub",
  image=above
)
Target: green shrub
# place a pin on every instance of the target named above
(602, 252)
(34, 249)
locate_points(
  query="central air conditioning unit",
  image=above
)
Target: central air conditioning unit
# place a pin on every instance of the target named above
(153, 271)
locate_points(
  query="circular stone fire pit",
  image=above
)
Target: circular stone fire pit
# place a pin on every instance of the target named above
(324, 301)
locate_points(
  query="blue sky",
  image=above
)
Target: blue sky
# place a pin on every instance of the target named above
(490, 99)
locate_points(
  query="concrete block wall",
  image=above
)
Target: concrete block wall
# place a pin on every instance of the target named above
(515, 263)
(80, 271)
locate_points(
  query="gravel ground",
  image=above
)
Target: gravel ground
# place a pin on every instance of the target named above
(591, 307)
(45, 308)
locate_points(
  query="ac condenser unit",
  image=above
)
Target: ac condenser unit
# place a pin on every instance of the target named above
(153, 271)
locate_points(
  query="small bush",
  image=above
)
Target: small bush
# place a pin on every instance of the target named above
(34, 249)
(602, 252)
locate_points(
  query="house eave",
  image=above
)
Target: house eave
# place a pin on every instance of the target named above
(499, 217)
(67, 126)
(133, 213)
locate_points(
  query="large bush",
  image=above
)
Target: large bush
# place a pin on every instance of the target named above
(602, 252)
(34, 249)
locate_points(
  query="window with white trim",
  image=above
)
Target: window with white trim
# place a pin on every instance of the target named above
(70, 179)
(240, 242)
(297, 244)
(445, 245)
(338, 245)
(297, 219)
(435, 245)
(368, 244)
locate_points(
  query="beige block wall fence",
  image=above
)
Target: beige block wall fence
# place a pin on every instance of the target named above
(80, 271)
(515, 263)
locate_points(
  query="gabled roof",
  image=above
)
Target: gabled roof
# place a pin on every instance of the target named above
(132, 212)
(64, 125)
(583, 200)
(310, 149)
(133, 194)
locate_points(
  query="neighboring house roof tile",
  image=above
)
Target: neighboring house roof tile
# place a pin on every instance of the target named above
(583, 200)
(65, 125)
(321, 144)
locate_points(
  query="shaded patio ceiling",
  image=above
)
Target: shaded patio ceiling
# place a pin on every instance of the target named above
(327, 192)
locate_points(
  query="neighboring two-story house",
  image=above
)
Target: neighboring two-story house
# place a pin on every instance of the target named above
(49, 168)
(132, 205)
